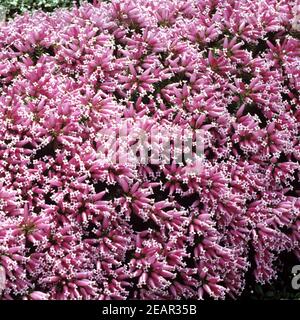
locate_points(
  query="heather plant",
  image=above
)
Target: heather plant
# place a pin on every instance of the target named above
(74, 226)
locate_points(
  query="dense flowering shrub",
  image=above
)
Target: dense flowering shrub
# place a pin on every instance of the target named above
(73, 227)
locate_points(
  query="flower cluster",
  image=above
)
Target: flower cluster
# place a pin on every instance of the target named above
(73, 226)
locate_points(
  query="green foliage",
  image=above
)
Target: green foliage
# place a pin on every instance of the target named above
(20, 6)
